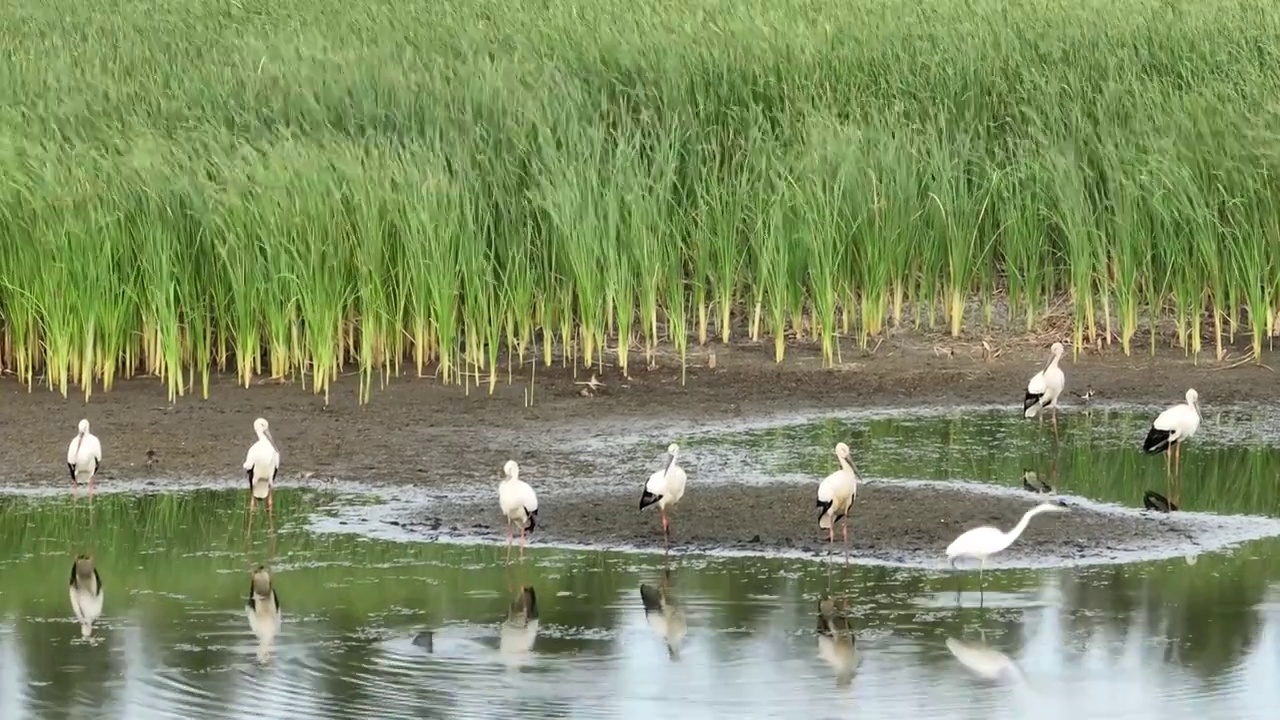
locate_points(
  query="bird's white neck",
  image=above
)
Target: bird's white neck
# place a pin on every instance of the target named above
(1018, 529)
(844, 463)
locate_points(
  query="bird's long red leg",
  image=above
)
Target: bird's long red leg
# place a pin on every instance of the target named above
(509, 538)
(845, 528)
(271, 494)
(1177, 475)
(521, 542)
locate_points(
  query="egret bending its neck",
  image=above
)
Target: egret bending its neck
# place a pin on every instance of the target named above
(1013, 534)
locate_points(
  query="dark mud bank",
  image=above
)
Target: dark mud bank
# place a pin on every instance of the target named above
(892, 523)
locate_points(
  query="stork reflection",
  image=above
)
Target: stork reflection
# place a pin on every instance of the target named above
(664, 614)
(836, 642)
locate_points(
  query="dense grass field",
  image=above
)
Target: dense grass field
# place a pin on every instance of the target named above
(286, 187)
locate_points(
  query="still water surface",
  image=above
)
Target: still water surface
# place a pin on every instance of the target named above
(1170, 639)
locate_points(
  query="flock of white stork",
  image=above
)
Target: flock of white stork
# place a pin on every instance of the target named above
(664, 488)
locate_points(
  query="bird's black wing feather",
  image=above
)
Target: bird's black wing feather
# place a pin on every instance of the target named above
(1157, 441)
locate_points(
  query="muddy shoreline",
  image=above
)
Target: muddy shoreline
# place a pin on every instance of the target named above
(430, 435)
(890, 524)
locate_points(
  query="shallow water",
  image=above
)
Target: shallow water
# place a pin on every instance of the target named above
(1232, 465)
(1181, 638)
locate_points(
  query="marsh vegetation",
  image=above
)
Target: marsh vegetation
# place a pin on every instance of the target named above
(290, 188)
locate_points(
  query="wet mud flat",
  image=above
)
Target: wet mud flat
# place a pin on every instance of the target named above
(894, 523)
(432, 436)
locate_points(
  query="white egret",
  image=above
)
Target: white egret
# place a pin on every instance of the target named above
(261, 464)
(835, 495)
(1045, 387)
(86, 593)
(665, 617)
(84, 454)
(981, 543)
(263, 610)
(665, 487)
(519, 503)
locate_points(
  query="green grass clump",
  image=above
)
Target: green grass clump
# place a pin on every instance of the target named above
(294, 187)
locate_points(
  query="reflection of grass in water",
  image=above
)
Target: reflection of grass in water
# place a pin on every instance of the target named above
(193, 546)
(1209, 609)
(1098, 456)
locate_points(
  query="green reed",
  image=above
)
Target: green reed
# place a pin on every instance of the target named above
(316, 187)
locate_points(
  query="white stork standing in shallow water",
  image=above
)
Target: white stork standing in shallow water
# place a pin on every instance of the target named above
(262, 463)
(1171, 428)
(835, 495)
(665, 487)
(84, 454)
(519, 504)
(1045, 387)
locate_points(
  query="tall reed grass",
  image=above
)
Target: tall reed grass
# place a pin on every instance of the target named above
(294, 188)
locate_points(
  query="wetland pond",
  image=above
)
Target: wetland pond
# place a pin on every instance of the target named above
(1178, 634)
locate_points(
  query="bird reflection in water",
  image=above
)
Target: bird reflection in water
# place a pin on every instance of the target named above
(520, 629)
(1152, 500)
(836, 642)
(263, 610)
(86, 593)
(664, 614)
(426, 640)
(984, 661)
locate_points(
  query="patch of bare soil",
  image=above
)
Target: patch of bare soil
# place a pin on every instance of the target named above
(897, 524)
